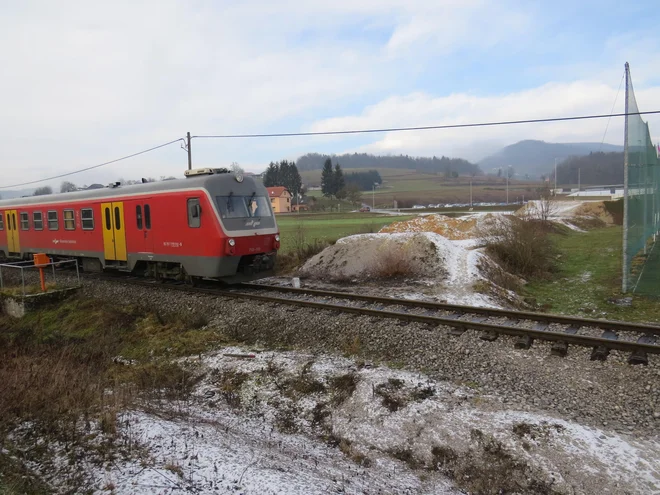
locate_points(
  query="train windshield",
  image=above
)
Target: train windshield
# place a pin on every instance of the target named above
(243, 206)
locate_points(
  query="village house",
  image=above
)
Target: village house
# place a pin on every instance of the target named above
(280, 199)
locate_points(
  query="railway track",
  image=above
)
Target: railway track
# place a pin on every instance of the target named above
(601, 336)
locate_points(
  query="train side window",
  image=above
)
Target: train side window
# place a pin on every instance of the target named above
(117, 218)
(108, 219)
(13, 222)
(138, 216)
(87, 218)
(53, 222)
(37, 220)
(147, 216)
(25, 220)
(69, 220)
(194, 213)
(2, 220)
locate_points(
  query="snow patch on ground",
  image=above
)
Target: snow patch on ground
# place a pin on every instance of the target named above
(208, 446)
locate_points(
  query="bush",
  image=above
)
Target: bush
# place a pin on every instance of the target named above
(522, 246)
(395, 260)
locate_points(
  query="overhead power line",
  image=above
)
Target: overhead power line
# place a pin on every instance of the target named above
(331, 133)
(93, 166)
(422, 128)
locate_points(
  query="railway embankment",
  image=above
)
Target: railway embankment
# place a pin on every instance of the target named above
(519, 419)
(610, 394)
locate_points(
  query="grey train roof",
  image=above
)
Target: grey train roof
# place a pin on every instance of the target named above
(216, 183)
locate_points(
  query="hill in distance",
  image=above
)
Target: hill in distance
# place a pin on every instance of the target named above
(538, 157)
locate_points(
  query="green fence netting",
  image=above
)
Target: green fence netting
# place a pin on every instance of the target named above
(641, 258)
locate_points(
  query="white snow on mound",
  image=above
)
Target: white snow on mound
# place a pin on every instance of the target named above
(452, 271)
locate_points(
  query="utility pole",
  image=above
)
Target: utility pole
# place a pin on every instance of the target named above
(555, 176)
(624, 284)
(507, 185)
(373, 196)
(470, 194)
(189, 152)
(579, 188)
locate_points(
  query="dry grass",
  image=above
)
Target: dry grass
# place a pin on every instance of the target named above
(397, 260)
(522, 247)
(342, 387)
(71, 367)
(487, 468)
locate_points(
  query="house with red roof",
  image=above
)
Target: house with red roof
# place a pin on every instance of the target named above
(280, 199)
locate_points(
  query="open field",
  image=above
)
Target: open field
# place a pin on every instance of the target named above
(328, 227)
(589, 278)
(408, 186)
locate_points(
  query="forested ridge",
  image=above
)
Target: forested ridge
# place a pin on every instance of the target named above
(315, 161)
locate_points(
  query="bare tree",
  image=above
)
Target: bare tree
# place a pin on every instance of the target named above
(236, 168)
(544, 208)
(67, 186)
(42, 191)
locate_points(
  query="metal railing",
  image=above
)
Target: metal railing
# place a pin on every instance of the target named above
(29, 273)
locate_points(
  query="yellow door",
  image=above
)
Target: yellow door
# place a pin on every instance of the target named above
(13, 245)
(120, 232)
(114, 234)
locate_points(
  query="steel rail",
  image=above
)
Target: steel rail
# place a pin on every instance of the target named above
(584, 341)
(519, 315)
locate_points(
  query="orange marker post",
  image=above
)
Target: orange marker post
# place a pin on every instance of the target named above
(41, 260)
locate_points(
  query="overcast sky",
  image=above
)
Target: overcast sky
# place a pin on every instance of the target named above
(86, 82)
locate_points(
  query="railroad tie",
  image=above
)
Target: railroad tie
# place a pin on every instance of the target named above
(640, 356)
(600, 353)
(560, 348)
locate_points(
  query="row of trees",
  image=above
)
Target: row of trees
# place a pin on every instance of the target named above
(332, 181)
(284, 174)
(67, 186)
(594, 168)
(364, 180)
(315, 161)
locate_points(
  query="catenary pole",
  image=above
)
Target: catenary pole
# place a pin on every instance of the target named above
(624, 283)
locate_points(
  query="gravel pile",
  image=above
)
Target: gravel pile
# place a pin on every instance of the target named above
(611, 394)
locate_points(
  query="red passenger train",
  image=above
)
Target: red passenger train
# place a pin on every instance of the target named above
(212, 224)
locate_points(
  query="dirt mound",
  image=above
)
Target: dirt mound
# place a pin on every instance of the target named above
(595, 209)
(459, 228)
(372, 256)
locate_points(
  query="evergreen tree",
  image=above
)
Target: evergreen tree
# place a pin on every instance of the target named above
(338, 182)
(327, 179)
(283, 174)
(271, 175)
(296, 180)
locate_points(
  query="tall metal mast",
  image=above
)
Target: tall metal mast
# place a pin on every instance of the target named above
(624, 287)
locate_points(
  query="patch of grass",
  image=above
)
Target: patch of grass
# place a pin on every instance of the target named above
(230, 383)
(352, 346)
(487, 468)
(74, 364)
(588, 278)
(322, 229)
(342, 387)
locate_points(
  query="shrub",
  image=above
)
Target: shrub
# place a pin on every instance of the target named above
(396, 260)
(522, 246)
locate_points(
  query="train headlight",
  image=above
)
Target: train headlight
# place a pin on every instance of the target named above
(231, 242)
(277, 238)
